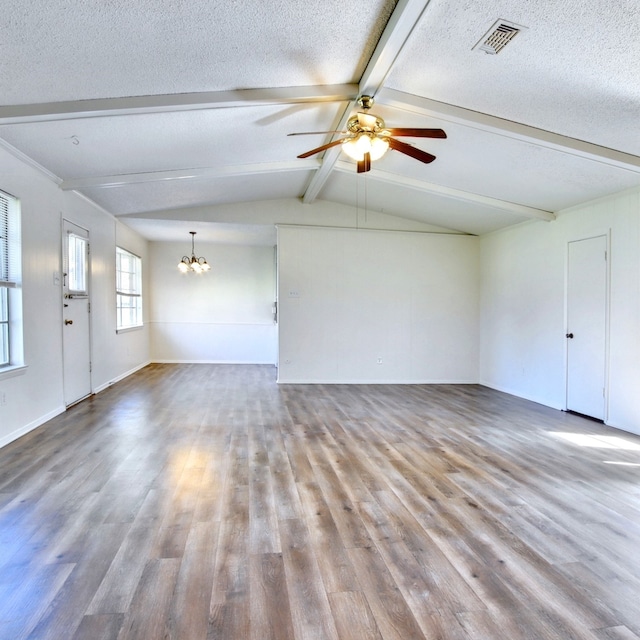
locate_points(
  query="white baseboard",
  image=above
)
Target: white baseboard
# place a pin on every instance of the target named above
(518, 394)
(211, 362)
(102, 387)
(18, 433)
(369, 381)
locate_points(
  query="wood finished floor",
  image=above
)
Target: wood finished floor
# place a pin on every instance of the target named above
(200, 502)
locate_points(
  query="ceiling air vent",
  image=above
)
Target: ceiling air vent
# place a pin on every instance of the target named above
(498, 37)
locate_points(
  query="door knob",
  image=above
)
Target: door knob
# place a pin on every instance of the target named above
(570, 335)
(68, 321)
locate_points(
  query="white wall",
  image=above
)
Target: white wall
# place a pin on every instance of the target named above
(225, 315)
(348, 297)
(522, 329)
(522, 312)
(36, 395)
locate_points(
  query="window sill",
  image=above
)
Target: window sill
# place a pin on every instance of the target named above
(128, 329)
(12, 371)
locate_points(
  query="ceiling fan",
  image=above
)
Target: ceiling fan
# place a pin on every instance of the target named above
(369, 139)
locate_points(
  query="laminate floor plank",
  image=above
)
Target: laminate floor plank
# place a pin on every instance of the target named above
(148, 615)
(99, 627)
(529, 575)
(616, 633)
(116, 591)
(23, 606)
(65, 613)
(354, 619)
(309, 601)
(207, 502)
(270, 607)
(191, 600)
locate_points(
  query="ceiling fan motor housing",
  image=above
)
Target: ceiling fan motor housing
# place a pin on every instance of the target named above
(366, 123)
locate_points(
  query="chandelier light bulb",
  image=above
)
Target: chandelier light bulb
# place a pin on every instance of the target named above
(197, 265)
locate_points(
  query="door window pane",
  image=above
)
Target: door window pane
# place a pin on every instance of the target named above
(77, 255)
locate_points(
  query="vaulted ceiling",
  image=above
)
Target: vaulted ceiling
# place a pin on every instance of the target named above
(165, 113)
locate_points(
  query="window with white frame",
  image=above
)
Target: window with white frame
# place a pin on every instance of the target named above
(128, 290)
(10, 301)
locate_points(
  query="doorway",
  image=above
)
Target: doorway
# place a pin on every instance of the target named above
(76, 337)
(586, 334)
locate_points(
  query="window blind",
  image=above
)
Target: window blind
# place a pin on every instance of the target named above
(4, 238)
(9, 241)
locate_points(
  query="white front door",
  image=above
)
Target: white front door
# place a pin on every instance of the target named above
(76, 340)
(587, 326)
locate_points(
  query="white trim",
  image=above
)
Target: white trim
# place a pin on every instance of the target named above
(12, 371)
(100, 107)
(403, 21)
(509, 129)
(517, 394)
(249, 362)
(136, 327)
(449, 192)
(371, 381)
(23, 157)
(119, 180)
(106, 385)
(18, 433)
(400, 25)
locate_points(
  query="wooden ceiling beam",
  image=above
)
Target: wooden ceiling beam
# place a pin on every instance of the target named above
(103, 107)
(509, 129)
(395, 35)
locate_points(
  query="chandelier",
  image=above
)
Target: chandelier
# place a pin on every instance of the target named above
(199, 265)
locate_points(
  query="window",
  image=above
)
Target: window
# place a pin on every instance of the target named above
(128, 290)
(77, 264)
(10, 300)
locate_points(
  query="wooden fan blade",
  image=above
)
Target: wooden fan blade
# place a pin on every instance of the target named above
(407, 149)
(365, 163)
(313, 133)
(322, 148)
(418, 133)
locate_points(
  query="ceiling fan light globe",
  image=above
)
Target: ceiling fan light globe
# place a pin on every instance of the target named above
(379, 146)
(357, 147)
(365, 143)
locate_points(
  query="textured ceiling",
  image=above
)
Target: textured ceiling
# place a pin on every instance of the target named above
(164, 113)
(60, 50)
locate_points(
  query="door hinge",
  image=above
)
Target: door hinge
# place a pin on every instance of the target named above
(90, 366)
(88, 307)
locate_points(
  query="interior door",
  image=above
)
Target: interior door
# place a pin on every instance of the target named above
(76, 339)
(587, 326)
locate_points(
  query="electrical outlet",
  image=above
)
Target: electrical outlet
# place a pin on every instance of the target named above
(294, 293)
(379, 361)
